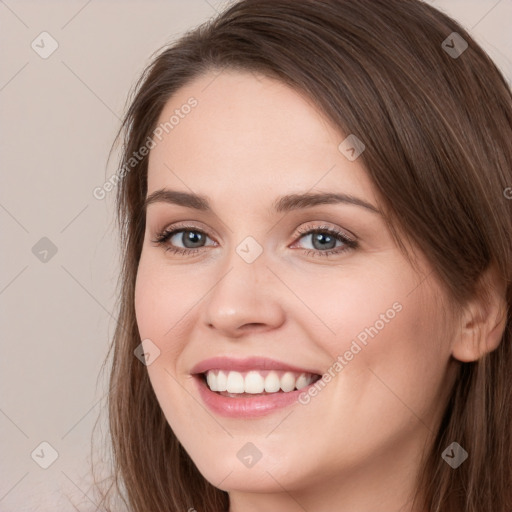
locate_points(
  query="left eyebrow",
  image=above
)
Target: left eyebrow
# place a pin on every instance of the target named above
(282, 204)
(297, 201)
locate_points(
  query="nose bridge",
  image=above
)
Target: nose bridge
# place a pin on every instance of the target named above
(245, 292)
(246, 264)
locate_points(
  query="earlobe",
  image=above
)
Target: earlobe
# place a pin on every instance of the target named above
(482, 323)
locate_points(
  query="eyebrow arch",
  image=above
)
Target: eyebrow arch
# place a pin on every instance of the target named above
(283, 204)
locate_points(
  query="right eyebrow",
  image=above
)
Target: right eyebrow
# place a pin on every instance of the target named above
(187, 199)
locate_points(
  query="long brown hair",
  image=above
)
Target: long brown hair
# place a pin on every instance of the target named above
(437, 127)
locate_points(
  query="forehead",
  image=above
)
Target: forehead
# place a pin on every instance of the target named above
(253, 135)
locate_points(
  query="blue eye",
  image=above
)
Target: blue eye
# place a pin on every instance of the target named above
(322, 237)
(192, 236)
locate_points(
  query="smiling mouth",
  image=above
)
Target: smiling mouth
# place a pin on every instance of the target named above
(234, 384)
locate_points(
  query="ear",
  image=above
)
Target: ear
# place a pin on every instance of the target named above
(483, 321)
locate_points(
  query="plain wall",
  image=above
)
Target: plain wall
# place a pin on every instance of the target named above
(59, 116)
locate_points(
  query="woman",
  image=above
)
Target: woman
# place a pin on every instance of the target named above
(314, 200)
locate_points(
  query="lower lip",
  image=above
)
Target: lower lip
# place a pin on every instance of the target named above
(246, 407)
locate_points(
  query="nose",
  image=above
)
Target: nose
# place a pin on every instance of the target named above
(245, 298)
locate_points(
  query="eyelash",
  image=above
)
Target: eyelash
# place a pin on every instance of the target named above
(162, 238)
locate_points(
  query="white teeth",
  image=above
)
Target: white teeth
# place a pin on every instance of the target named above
(235, 383)
(254, 382)
(272, 383)
(217, 382)
(303, 381)
(222, 381)
(288, 382)
(212, 381)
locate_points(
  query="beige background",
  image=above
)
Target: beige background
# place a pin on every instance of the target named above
(59, 116)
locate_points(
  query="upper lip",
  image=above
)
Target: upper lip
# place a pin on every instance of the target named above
(250, 363)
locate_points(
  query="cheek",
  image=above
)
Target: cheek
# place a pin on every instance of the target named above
(349, 308)
(399, 371)
(160, 299)
(159, 305)
(378, 308)
(384, 338)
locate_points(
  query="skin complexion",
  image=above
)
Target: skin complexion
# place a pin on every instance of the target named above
(303, 301)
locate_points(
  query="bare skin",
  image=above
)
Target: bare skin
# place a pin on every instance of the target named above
(357, 444)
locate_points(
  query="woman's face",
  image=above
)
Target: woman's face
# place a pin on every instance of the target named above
(256, 282)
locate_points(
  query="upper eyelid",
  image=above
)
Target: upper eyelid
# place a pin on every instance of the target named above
(324, 227)
(173, 228)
